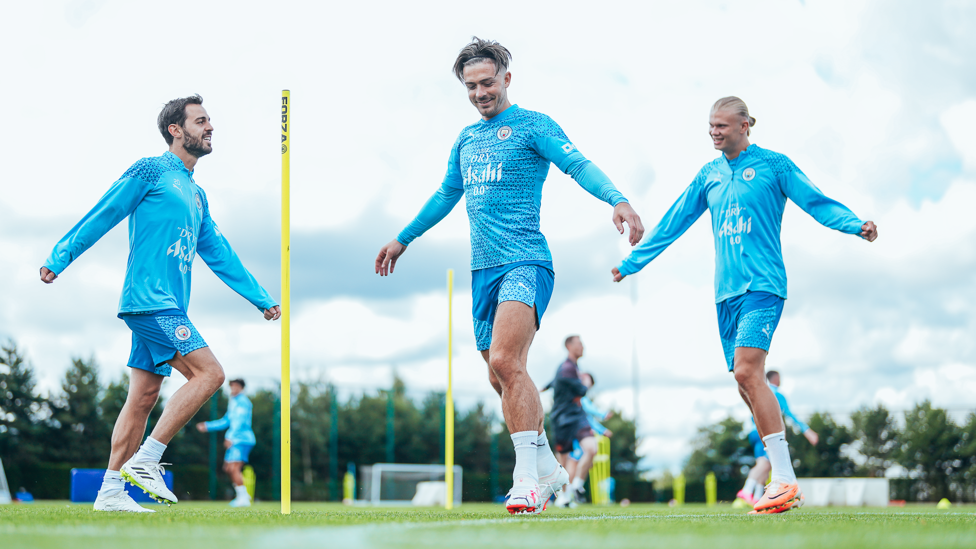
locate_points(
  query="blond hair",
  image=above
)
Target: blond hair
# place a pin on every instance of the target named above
(736, 105)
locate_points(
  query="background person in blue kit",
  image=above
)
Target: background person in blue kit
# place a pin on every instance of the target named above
(746, 189)
(499, 165)
(754, 487)
(169, 225)
(239, 438)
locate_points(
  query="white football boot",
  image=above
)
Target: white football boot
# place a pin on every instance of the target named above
(118, 501)
(523, 498)
(148, 476)
(552, 484)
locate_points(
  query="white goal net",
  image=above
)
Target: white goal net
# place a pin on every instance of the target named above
(4, 487)
(406, 484)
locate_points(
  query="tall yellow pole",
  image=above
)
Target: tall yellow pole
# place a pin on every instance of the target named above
(285, 304)
(449, 408)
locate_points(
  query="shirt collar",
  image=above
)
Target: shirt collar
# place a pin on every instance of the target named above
(500, 116)
(175, 162)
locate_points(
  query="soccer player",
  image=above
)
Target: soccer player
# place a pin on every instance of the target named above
(746, 189)
(169, 225)
(753, 489)
(239, 439)
(571, 423)
(499, 165)
(578, 460)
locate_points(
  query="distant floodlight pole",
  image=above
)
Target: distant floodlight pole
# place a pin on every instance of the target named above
(449, 405)
(285, 305)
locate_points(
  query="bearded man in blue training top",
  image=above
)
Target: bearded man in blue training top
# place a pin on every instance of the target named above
(499, 165)
(169, 225)
(746, 189)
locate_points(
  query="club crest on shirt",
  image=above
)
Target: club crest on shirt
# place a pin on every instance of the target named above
(749, 174)
(199, 202)
(504, 132)
(182, 333)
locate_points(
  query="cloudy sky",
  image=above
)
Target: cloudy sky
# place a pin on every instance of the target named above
(874, 101)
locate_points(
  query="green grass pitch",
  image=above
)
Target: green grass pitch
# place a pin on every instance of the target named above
(216, 526)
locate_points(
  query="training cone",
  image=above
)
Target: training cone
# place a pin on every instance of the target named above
(943, 504)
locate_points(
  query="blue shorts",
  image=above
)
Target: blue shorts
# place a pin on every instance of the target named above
(156, 337)
(527, 281)
(748, 320)
(758, 448)
(238, 452)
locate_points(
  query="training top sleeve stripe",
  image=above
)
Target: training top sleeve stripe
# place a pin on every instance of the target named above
(114, 206)
(682, 215)
(216, 251)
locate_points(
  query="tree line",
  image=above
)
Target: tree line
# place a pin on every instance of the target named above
(933, 456)
(43, 436)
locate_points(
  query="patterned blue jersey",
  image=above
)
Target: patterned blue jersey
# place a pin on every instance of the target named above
(499, 166)
(746, 197)
(237, 421)
(169, 224)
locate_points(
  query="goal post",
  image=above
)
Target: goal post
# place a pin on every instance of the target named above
(4, 487)
(407, 484)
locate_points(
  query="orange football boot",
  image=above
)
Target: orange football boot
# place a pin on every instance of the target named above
(778, 498)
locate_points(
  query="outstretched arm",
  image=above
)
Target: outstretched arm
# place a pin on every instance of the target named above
(436, 209)
(216, 251)
(827, 211)
(215, 425)
(117, 203)
(785, 408)
(675, 222)
(553, 144)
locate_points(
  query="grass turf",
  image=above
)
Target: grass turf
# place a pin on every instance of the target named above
(215, 526)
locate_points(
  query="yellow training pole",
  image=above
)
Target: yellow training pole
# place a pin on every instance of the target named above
(449, 408)
(285, 305)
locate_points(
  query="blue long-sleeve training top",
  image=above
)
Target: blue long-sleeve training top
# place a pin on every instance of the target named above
(785, 408)
(746, 197)
(169, 225)
(499, 166)
(237, 421)
(594, 415)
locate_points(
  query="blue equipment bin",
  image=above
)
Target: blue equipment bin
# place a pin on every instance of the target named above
(86, 482)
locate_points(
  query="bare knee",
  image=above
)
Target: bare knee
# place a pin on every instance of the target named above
(505, 367)
(589, 446)
(749, 375)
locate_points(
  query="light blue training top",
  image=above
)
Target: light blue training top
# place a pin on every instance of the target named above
(169, 224)
(593, 415)
(237, 421)
(499, 166)
(746, 197)
(781, 398)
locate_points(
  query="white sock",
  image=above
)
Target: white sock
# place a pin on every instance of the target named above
(779, 457)
(526, 468)
(759, 491)
(750, 486)
(112, 482)
(151, 450)
(546, 463)
(242, 492)
(577, 483)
